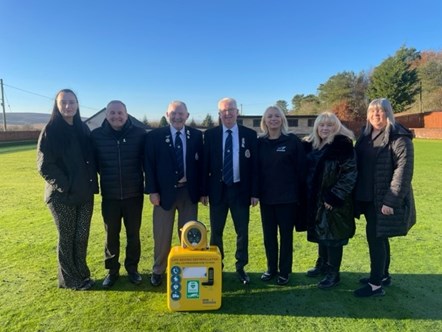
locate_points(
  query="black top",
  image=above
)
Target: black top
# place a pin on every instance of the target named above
(366, 157)
(281, 169)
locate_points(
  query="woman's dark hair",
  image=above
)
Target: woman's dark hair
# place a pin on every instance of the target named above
(57, 125)
(56, 115)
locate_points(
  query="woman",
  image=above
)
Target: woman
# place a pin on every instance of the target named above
(281, 170)
(383, 191)
(65, 160)
(331, 177)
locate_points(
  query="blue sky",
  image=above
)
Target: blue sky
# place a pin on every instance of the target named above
(148, 53)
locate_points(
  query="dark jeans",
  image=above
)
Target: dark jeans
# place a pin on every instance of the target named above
(240, 215)
(379, 247)
(113, 212)
(282, 216)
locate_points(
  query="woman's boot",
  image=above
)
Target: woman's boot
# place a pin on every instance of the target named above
(319, 269)
(331, 278)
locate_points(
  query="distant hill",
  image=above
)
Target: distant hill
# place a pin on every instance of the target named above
(21, 119)
(26, 119)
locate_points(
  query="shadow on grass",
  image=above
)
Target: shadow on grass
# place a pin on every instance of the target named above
(411, 296)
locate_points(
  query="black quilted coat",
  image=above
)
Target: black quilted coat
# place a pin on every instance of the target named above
(120, 160)
(332, 181)
(392, 183)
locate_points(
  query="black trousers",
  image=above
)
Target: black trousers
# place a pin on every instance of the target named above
(73, 224)
(282, 217)
(332, 255)
(130, 211)
(240, 215)
(379, 247)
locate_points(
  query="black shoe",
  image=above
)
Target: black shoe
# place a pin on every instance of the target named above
(87, 284)
(386, 281)
(367, 291)
(319, 269)
(330, 280)
(134, 277)
(110, 280)
(267, 276)
(156, 279)
(281, 281)
(243, 277)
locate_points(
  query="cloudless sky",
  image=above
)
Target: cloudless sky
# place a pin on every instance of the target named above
(148, 53)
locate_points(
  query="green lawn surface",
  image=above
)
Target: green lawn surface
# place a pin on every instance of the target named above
(31, 301)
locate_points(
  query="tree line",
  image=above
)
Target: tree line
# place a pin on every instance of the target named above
(410, 79)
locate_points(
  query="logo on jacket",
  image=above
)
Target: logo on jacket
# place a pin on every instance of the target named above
(281, 149)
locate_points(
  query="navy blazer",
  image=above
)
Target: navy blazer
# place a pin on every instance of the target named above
(162, 169)
(213, 164)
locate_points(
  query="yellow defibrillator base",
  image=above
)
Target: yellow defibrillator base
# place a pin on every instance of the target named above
(194, 279)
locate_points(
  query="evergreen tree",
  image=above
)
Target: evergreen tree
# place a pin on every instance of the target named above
(163, 122)
(396, 79)
(146, 121)
(192, 123)
(308, 104)
(338, 88)
(283, 105)
(297, 102)
(208, 122)
(345, 92)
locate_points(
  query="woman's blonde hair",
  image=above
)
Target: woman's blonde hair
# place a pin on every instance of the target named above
(340, 129)
(284, 125)
(382, 104)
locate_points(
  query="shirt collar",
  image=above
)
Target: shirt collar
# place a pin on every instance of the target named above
(234, 129)
(173, 131)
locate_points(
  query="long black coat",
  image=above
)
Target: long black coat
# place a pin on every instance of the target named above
(332, 181)
(392, 183)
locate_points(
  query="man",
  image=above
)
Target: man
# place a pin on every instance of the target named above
(119, 147)
(173, 171)
(230, 180)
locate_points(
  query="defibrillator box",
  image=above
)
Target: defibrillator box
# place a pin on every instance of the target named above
(194, 272)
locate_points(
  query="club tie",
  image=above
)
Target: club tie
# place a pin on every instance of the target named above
(179, 155)
(228, 159)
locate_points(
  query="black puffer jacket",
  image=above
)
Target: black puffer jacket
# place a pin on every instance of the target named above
(120, 160)
(332, 181)
(392, 182)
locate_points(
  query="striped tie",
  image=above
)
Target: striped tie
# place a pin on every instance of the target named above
(228, 160)
(179, 155)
